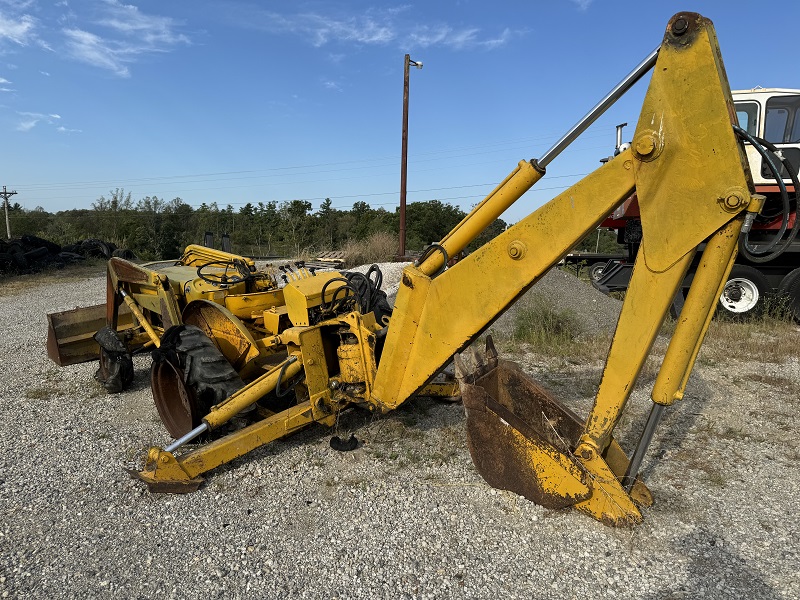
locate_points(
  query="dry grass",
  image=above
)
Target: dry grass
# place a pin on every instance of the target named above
(544, 329)
(379, 247)
(767, 339)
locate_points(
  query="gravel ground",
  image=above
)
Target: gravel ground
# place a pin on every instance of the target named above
(404, 516)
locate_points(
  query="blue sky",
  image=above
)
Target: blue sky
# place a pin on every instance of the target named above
(236, 102)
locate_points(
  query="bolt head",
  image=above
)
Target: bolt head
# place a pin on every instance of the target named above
(645, 145)
(680, 26)
(733, 201)
(517, 250)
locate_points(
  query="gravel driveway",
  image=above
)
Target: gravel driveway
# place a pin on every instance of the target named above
(404, 516)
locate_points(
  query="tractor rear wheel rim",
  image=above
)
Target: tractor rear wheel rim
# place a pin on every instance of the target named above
(175, 403)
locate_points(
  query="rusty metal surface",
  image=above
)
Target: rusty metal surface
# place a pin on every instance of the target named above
(175, 403)
(70, 334)
(127, 271)
(520, 438)
(229, 334)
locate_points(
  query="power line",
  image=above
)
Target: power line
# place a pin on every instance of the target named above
(288, 170)
(365, 195)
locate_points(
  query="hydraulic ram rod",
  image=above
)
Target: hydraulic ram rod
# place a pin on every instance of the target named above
(522, 178)
(599, 108)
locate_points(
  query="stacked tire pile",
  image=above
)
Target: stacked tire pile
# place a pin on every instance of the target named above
(28, 253)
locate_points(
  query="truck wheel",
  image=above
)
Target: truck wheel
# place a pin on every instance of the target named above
(790, 291)
(743, 294)
(596, 271)
(787, 281)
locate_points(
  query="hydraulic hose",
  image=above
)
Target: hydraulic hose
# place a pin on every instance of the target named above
(378, 281)
(364, 298)
(328, 307)
(764, 255)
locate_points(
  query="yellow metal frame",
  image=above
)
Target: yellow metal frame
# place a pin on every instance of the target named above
(693, 183)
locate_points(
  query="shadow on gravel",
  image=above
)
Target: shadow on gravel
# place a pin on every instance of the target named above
(678, 421)
(714, 572)
(416, 417)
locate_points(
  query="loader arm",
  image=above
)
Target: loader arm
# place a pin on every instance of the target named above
(693, 184)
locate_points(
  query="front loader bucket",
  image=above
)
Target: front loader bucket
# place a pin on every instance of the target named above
(522, 439)
(70, 334)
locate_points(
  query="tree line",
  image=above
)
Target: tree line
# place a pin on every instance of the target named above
(157, 229)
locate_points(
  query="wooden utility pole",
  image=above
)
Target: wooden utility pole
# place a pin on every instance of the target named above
(404, 156)
(6, 196)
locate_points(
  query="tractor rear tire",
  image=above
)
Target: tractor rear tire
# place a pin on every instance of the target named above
(189, 375)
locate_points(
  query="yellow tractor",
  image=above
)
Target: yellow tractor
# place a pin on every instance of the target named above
(240, 361)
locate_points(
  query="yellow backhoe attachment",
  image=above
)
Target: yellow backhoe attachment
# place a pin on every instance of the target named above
(229, 344)
(691, 177)
(690, 173)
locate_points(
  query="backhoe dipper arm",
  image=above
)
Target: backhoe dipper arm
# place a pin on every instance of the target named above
(692, 180)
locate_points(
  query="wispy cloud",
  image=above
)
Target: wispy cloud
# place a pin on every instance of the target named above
(321, 29)
(332, 85)
(376, 27)
(132, 33)
(153, 31)
(582, 4)
(111, 37)
(29, 120)
(500, 40)
(425, 36)
(19, 29)
(96, 51)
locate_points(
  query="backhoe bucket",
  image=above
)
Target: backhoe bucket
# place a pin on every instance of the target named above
(522, 439)
(70, 334)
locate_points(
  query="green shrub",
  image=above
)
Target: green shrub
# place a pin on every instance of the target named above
(546, 328)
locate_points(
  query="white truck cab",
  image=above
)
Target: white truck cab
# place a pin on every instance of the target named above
(774, 115)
